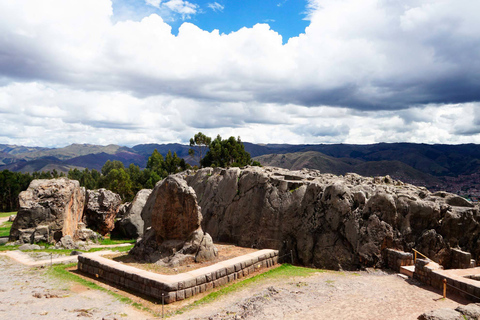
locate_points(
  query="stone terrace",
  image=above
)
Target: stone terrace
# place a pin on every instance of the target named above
(175, 287)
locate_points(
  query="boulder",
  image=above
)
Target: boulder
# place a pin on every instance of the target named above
(131, 225)
(101, 209)
(85, 234)
(123, 210)
(441, 314)
(176, 214)
(175, 234)
(470, 311)
(56, 205)
(28, 246)
(12, 217)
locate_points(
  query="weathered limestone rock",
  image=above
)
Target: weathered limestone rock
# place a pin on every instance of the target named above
(85, 234)
(441, 314)
(175, 234)
(56, 205)
(101, 209)
(176, 213)
(131, 225)
(123, 210)
(470, 311)
(328, 221)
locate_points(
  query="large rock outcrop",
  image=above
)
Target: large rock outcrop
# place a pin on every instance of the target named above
(101, 209)
(130, 225)
(173, 230)
(332, 221)
(49, 210)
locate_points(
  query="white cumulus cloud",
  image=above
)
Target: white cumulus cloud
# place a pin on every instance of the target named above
(357, 65)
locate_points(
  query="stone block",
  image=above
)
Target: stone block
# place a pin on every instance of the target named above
(188, 292)
(180, 295)
(231, 277)
(170, 297)
(173, 286)
(190, 283)
(201, 280)
(210, 276)
(209, 286)
(230, 269)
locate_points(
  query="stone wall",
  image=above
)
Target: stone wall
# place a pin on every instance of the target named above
(463, 282)
(461, 259)
(396, 259)
(175, 287)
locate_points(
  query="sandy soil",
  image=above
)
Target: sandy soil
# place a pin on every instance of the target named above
(331, 295)
(28, 293)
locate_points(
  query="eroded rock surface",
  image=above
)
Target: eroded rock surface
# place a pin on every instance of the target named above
(131, 225)
(49, 210)
(172, 226)
(328, 221)
(101, 209)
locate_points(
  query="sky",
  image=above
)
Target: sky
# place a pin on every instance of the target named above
(129, 72)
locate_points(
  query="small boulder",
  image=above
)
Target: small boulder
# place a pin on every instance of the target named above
(85, 234)
(131, 225)
(65, 243)
(441, 314)
(30, 247)
(101, 209)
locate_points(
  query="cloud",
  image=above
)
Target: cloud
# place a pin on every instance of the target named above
(215, 6)
(356, 65)
(185, 8)
(154, 3)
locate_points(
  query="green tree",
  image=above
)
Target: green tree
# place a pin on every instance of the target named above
(199, 146)
(226, 153)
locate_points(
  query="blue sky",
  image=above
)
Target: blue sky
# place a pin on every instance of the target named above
(322, 71)
(287, 17)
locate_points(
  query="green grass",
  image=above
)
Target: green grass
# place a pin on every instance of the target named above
(5, 229)
(60, 272)
(108, 241)
(6, 214)
(282, 272)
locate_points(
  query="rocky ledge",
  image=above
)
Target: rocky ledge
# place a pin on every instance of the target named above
(328, 221)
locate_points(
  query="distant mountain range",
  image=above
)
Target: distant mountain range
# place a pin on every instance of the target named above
(455, 168)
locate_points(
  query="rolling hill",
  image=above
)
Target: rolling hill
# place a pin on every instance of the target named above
(454, 168)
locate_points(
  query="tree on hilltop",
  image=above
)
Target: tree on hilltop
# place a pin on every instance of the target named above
(226, 153)
(199, 146)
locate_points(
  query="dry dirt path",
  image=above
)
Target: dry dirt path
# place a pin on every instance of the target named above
(376, 295)
(28, 293)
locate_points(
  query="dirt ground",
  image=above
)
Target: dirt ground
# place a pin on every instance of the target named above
(331, 295)
(225, 252)
(27, 293)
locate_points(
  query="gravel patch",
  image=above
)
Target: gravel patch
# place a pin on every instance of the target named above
(28, 293)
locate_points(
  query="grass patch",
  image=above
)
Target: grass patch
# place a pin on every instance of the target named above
(5, 229)
(117, 249)
(61, 272)
(108, 241)
(6, 214)
(284, 271)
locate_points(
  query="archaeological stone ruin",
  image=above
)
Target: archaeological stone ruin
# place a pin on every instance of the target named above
(320, 220)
